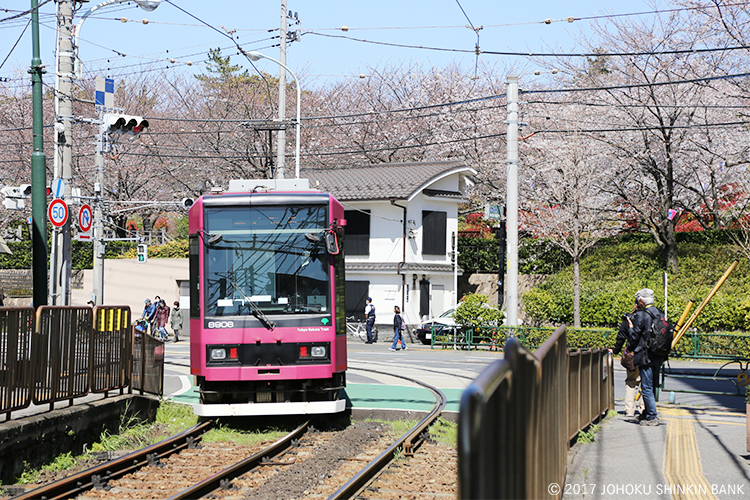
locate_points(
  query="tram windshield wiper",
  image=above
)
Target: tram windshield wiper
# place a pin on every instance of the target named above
(254, 309)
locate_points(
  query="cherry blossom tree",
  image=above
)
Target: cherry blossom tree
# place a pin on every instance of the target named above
(666, 122)
(566, 174)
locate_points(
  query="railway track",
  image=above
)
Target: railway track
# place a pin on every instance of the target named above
(140, 474)
(176, 469)
(407, 443)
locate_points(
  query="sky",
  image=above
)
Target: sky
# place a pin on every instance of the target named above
(178, 29)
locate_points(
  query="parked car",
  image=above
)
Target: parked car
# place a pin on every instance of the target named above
(443, 324)
(446, 325)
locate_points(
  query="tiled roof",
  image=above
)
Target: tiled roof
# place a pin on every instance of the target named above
(380, 181)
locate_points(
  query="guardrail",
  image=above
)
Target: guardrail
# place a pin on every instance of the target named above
(494, 337)
(718, 346)
(59, 353)
(516, 418)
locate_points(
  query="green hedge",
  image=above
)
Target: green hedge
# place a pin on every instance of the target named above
(702, 345)
(83, 253)
(612, 273)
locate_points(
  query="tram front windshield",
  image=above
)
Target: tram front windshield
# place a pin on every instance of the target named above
(273, 257)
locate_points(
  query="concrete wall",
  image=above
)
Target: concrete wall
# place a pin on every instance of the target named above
(486, 284)
(126, 282)
(36, 440)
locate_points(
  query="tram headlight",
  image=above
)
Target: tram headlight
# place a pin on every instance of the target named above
(218, 354)
(318, 351)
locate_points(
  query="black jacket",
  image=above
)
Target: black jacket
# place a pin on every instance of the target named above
(396, 322)
(639, 334)
(622, 336)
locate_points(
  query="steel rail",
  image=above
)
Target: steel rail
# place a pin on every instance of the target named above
(222, 478)
(409, 441)
(85, 480)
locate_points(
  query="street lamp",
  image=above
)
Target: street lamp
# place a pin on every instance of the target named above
(67, 72)
(147, 5)
(256, 56)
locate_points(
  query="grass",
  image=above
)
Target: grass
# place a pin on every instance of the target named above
(224, 434)
(444, 432)
(398, 426)
(588, 436)
(171, 418)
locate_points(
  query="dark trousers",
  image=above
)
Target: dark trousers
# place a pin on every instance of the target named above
(368, 328)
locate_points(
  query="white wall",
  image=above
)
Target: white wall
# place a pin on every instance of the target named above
(386, 246)
(126, 282)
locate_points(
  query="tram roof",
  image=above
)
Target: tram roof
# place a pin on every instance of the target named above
(385, 181)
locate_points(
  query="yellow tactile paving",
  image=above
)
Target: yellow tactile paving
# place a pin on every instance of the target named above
(683, 472)
(674, 412)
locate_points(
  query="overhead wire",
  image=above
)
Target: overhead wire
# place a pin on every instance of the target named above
(25, 13)
(538, 54)
(15, 44)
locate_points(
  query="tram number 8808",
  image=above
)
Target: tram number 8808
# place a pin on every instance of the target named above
(220, 324)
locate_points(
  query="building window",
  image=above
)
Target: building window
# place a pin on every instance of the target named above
(357, 232)
(356, 295)
(434, 228)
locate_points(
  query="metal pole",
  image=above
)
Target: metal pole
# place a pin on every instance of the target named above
(512, 201)
(60, 263)
(281, 147)
(455, 270)
(256, 56)
(296, 139)
(500, 231)
(38, 170)
(99, 215)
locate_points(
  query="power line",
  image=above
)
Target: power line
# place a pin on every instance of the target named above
(25, 12)
(637, 85)
(15, 44)
(536, 54)
(638, 129)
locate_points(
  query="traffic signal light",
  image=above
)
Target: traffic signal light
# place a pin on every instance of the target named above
(186, 203)
(14, 196)
(142, 253)
(125, 124)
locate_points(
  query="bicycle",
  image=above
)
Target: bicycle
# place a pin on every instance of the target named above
(356, 328)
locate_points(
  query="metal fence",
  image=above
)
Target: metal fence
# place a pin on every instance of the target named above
(494, 337)
(718, 346)
(515, 419)
(148, 364)
(59, 353)
(16, 328)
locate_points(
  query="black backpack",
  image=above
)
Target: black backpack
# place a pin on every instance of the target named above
(661, 335)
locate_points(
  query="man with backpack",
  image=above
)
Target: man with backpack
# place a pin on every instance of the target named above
(651, 334)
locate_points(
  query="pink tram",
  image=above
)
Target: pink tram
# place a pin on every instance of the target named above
(267, 319)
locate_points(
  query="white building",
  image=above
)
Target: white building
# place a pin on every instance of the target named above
(401, 223)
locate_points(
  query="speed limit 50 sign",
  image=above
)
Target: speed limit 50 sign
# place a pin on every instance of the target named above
(58, 212)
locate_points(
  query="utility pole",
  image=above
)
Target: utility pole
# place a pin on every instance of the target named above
(512, 200)
(60, 261)
(99, 213)
(38, 170)
(281, 146)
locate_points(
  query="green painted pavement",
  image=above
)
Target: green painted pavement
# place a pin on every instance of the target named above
(388, 397)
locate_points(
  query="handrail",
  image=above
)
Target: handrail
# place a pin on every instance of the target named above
(516, 417)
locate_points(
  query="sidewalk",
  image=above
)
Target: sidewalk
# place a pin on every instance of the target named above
(696, 452)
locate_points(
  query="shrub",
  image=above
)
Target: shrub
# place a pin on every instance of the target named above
(171, 250)
(612, 273)
(475, 311)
